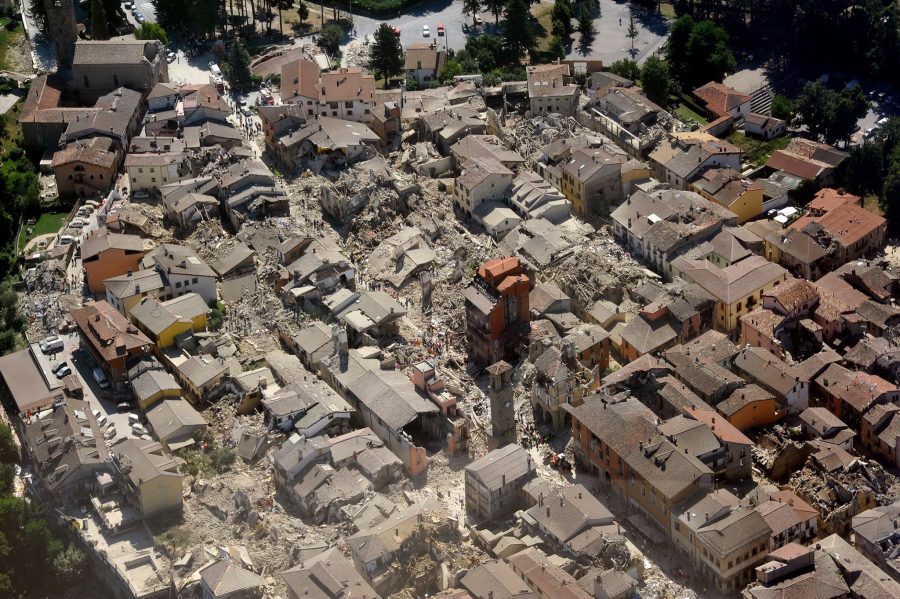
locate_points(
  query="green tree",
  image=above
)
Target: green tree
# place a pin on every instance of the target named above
(452, 68)
(9, 451)
(330, 38)
(239, 74)
(709, 57)
(99, 24)
(556, 49)
(70, 564)
(518, 31)
(782, 108)
(632, 30)
(656, 81)
(830, 115)
(677, 45)
(471, 7)
(625, 67)
(151, 31)
(586, 22)
(496, 7)
(386, 54)
(561, 19)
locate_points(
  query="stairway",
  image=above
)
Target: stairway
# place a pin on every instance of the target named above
(761, 100)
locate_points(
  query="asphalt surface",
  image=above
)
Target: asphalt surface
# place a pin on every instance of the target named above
(610, 41)
(431, 13)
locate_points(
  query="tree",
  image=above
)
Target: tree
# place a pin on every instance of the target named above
(561, 19)
(99, 25)
(827, 114)
(709, 57)
(518, 32)
(9, 451)
(586, 21)
(452, 68)
(471, 7)
(655, 80)
(239, 74)
(698, 52)
(632, 30)
(151, 31)
(556, 49)
(782, 108)
(496, 7)
(70, 564)
(330, 38)
(386, 53)
(677, 46)
(625, 67)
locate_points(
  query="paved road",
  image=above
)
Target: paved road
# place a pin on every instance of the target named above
(410, 25)
(610, 28)
(42, 56)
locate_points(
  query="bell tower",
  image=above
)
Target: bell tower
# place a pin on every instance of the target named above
(63, 31)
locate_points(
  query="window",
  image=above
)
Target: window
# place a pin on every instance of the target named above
(178, 285)
(348, 104)
(153, 179)
(194, 280)
(141, 169)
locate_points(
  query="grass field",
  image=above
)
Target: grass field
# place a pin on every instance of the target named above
(757, 150)
(685, 114)
(10, 128)
(542, 12)
(49, 222)
(7, 38)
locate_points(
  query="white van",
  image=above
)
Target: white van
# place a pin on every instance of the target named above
(51, 345)
(67, 239)
(100, 378)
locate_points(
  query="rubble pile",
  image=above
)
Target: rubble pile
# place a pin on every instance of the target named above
(602, 271)
(356, 54)
(843, 493)
(529, 136)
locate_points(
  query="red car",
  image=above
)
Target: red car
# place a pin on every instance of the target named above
(440, 29)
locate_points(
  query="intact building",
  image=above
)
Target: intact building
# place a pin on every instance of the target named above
(494, 483)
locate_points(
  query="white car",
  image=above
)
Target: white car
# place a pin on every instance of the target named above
(139, 430)
(110, 433)
(426, 31)
(100, 378)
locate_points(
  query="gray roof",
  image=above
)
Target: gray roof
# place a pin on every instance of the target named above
(328, 575)
(113, 52)
(508, 463)
(170, 416)
(568, 511)
(225, 577)
(235, 256)
(741, 527)
(496, 579)
(134, 283)
(153, 381)
(103, 240)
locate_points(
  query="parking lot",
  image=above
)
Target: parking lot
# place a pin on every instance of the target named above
(82, 366)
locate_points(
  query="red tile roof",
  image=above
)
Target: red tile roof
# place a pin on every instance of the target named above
(719, 98)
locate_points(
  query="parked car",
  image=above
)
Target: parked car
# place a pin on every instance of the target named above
(64, 371)
(100, 378)
(426, 32)
(102, 420)
(58, 367)
(67, 239)
(138, 429)
(171, 56)
(133, 419)
(93, 204)
(123, 407)
(110, 433)
(440, 30)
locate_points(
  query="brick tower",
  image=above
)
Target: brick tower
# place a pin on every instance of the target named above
(503, 409)
(63, 31)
